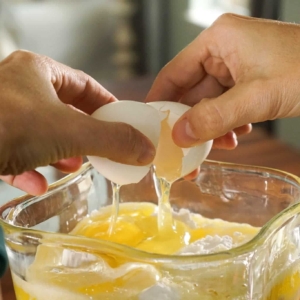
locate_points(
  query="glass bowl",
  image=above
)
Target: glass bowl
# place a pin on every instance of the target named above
(73, 267)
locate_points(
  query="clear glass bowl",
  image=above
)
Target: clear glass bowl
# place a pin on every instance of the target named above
(267, 267)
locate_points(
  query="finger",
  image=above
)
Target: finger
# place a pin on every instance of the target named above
(226, 142)
(212, 118)
(179, 75)
(189, 68)
(209, 87)
(31, 182)
(192, 175)
(68, 165)
(229, 140)
(245, 129)
(77, 88)
(119, 142)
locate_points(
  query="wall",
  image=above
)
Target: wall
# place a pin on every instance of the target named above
(79, 33)
(186, 23)
(168, 31)
(182, 31)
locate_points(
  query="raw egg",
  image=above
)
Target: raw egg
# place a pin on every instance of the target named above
(155, 120)
(172, 162)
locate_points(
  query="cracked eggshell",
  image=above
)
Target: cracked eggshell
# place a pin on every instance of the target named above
(143, 118)
(194, 156)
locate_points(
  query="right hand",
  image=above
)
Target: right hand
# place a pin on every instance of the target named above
(241, 70)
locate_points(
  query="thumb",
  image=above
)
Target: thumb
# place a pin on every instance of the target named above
(212, 118)
(119, 142)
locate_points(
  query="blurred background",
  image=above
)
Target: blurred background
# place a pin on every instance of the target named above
(115, 40)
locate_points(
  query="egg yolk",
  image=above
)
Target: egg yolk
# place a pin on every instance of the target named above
(136, 227)
(287, 287)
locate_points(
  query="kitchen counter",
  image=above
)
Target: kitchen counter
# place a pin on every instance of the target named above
(257, 148)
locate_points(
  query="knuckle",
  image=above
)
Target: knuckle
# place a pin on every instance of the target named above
(226, 16)
(169, 73)
(226, 26)
(23, 56)
(224, 19)
(167, 76)
(84, 80)
(82, 75)
(21, 59)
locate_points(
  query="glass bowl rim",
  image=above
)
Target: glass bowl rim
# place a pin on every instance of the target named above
(265, 231)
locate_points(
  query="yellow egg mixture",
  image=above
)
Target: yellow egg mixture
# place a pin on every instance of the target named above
(136, 226)
(111, 277)
(143, 226)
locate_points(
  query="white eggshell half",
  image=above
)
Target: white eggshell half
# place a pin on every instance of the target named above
(193, 157)
(140, 116)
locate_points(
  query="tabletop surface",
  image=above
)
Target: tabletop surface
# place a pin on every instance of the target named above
(256, 148)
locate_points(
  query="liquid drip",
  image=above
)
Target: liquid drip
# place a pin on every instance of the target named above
(164, 214)
(115, 206)
(168, 167)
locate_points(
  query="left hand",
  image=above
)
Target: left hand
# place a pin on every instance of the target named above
(44, 120)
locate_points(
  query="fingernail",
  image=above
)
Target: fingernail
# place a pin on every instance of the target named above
(235, 140)
(148, 153)
(189, 131)
(183, 133)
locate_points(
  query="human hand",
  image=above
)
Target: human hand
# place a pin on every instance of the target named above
(41, 122)
(241, 70)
